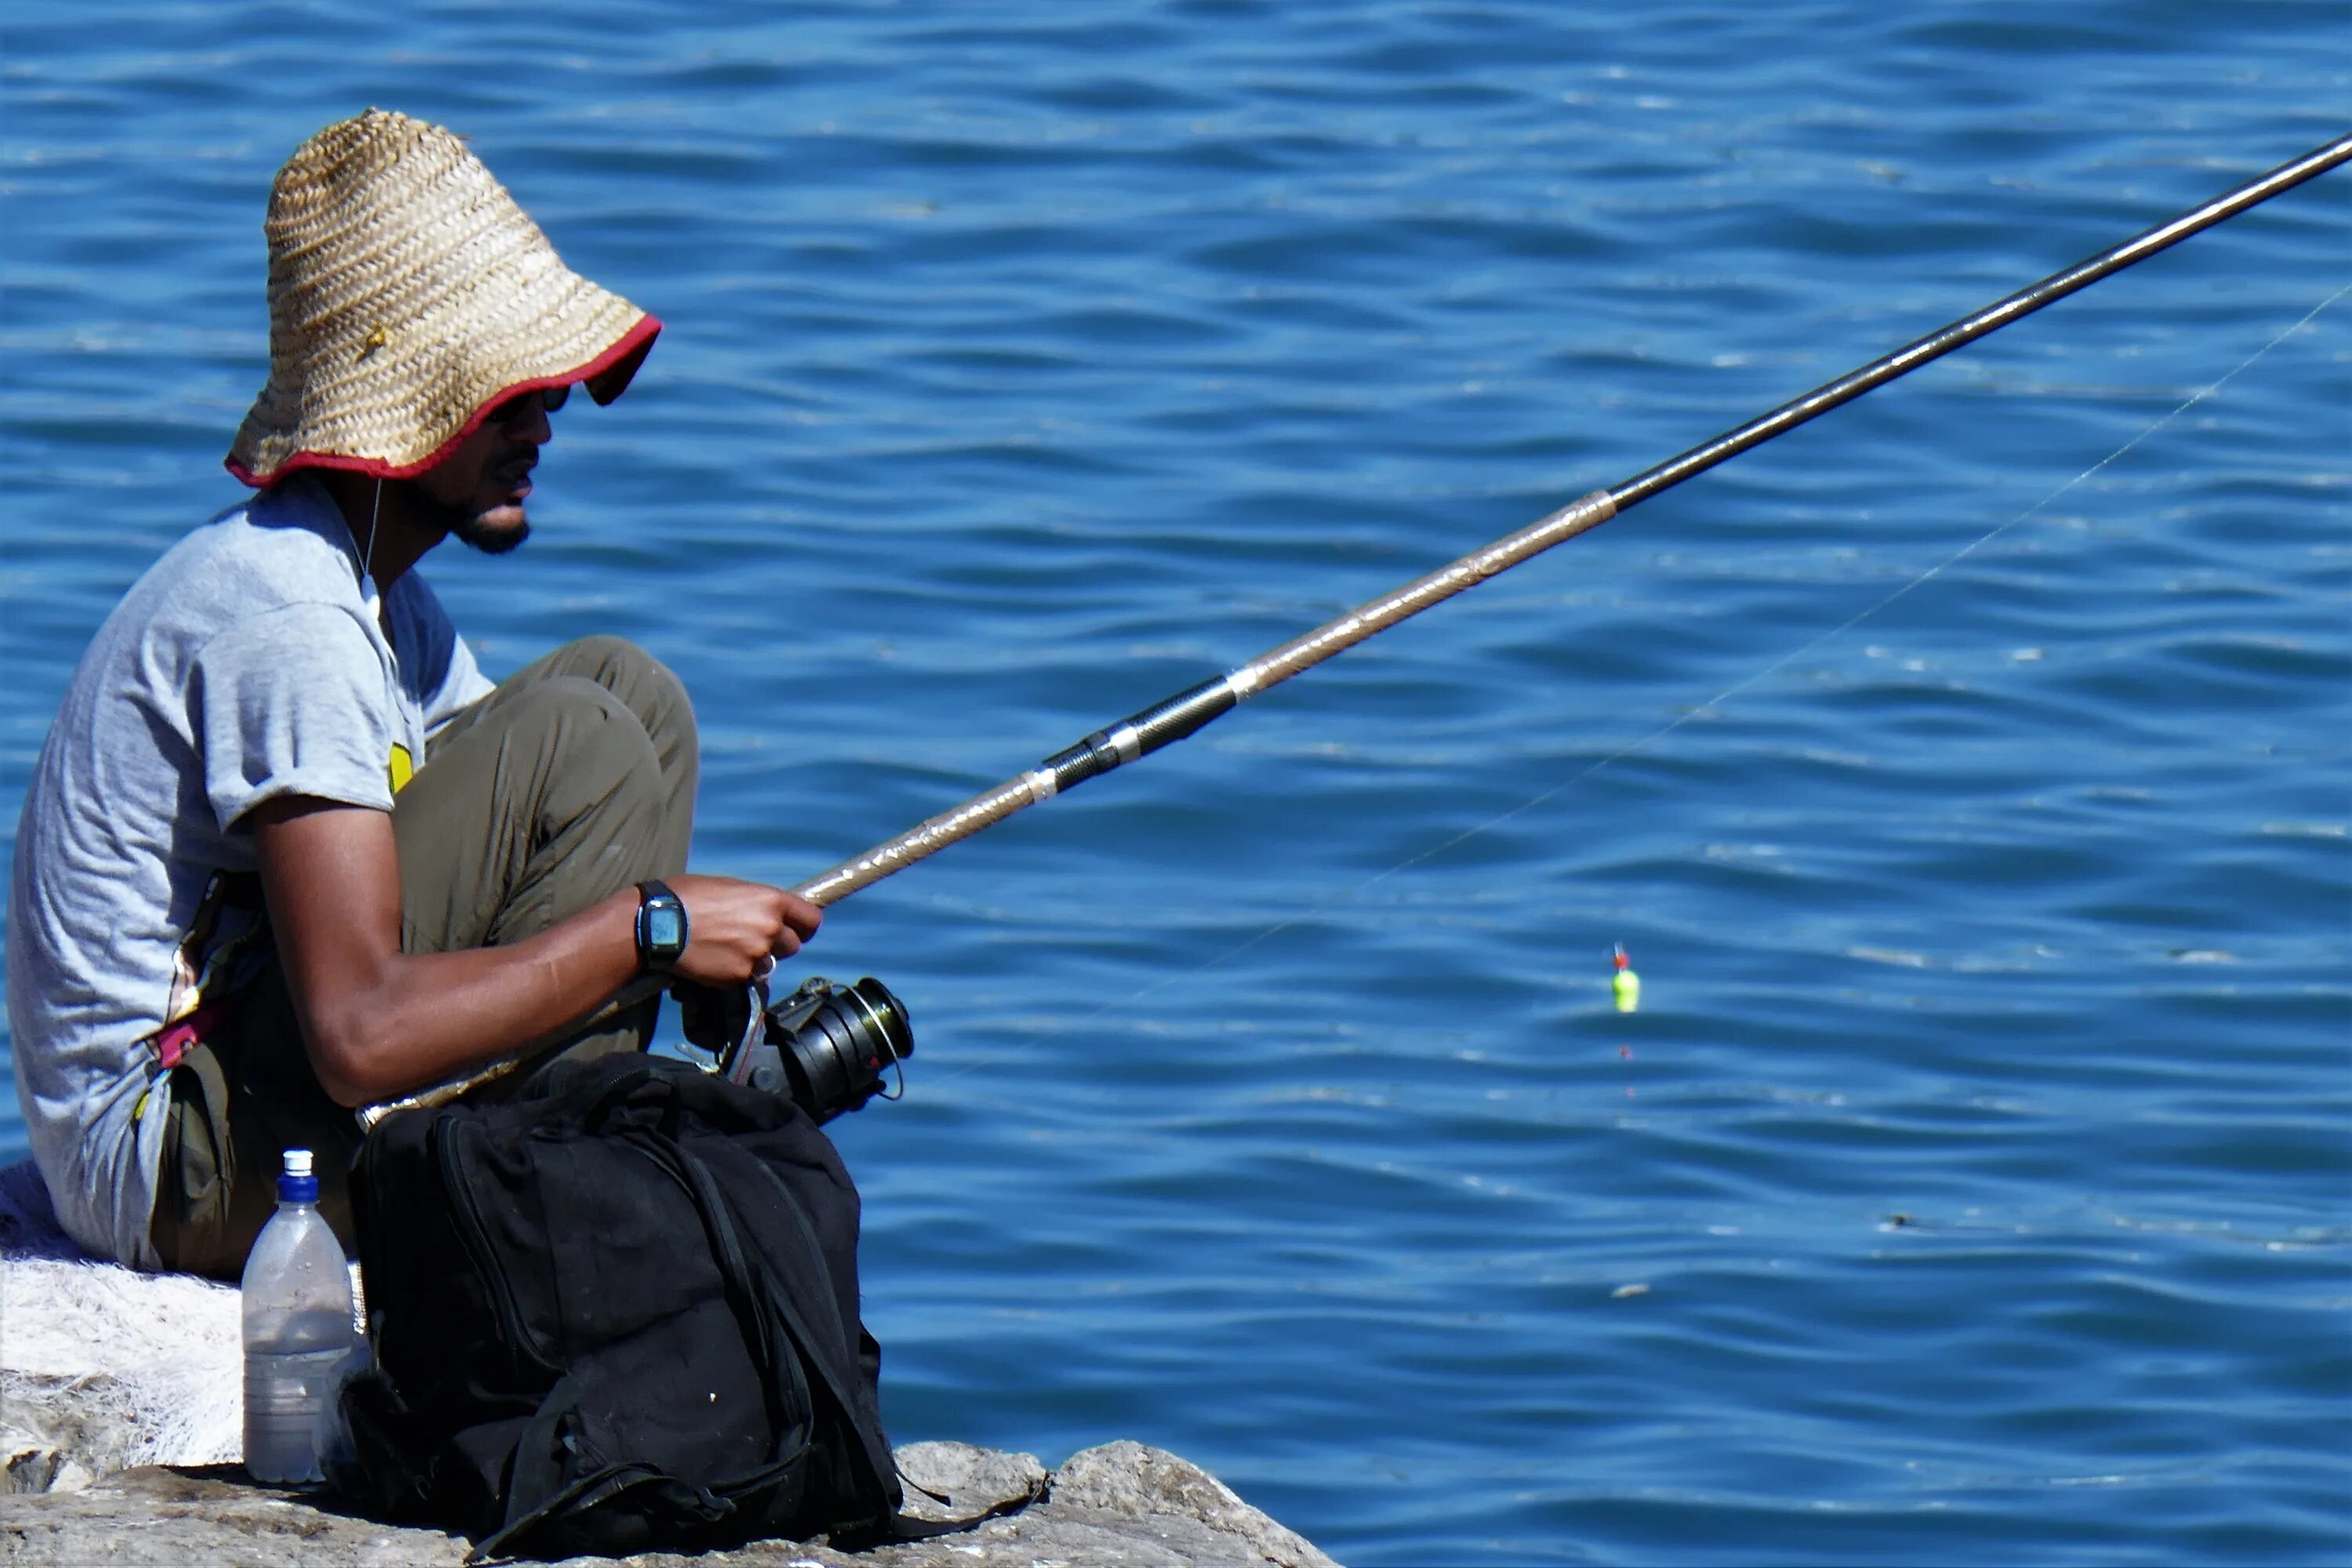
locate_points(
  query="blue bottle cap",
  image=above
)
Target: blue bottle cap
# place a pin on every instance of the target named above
(296, 1184)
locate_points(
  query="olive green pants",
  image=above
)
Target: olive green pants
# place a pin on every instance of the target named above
(573, 780)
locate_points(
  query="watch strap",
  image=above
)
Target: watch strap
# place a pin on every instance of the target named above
(653, 895)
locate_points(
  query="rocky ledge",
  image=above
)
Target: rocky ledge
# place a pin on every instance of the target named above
(1121, 1504)
(120, 1416)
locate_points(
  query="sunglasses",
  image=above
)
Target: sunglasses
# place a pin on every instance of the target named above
(549, 398)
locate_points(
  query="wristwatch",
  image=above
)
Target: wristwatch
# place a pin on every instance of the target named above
(661, 927)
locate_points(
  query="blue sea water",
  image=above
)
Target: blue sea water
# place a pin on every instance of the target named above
(1972, 1184)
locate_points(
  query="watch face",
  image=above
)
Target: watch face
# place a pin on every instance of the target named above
(665, 929)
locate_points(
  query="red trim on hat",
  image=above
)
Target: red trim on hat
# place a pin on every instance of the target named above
(607, 376)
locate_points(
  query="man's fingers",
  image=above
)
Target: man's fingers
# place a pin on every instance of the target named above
(801, 917)
(749, 923)
(796, 921)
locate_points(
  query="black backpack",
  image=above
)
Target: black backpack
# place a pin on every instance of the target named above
(615, 1312)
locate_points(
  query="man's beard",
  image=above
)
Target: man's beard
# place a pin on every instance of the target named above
(474, 534)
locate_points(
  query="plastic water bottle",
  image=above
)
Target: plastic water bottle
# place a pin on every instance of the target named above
(298, 1329)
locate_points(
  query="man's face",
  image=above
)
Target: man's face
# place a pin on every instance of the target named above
(480, 488)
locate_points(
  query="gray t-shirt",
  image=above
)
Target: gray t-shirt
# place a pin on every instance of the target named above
(243, 666)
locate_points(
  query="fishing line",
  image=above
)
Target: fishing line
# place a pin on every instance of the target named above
(1713, 703)
(1172, 720)
(368, 595)
(1189, 712)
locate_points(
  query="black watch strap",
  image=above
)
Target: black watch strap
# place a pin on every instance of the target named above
(661, 927)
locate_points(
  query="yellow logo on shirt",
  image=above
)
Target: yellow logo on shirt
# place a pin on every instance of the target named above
(401, 768)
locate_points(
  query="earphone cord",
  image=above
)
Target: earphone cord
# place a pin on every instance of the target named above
(367, 556)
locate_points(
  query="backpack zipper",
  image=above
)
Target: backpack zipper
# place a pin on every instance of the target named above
(476, 1238)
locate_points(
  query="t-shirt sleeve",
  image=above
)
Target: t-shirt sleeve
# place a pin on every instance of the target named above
(292, 702)
(464, 686)
(450, 679)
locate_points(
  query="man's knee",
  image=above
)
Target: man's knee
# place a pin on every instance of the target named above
(606, 660)
(546, 804)
(575, 728)
(626, 670)
(643, 683)
(550, 751)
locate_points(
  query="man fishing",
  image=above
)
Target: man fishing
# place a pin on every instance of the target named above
(287, 852)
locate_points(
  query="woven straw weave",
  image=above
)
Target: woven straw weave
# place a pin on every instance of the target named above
(408, 296)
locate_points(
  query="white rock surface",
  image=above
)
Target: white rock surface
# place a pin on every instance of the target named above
(102, 1368)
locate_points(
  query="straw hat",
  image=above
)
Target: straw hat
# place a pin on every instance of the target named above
(408, 297)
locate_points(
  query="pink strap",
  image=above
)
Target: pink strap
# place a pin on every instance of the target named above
(173, 1043)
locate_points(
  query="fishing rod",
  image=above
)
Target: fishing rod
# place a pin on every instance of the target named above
(829, 1045)
(1165, 722)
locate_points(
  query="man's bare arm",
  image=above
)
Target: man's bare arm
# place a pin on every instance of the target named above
(378, 1022)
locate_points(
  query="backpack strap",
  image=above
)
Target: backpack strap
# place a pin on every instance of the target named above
(757, 1300)
(844, 1402)
(753, 1304)
(897, 1527)
(620, 1086)
(888, 1524)
(534, 1477)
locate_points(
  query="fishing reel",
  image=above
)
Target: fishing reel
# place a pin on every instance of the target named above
(825, 1047)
